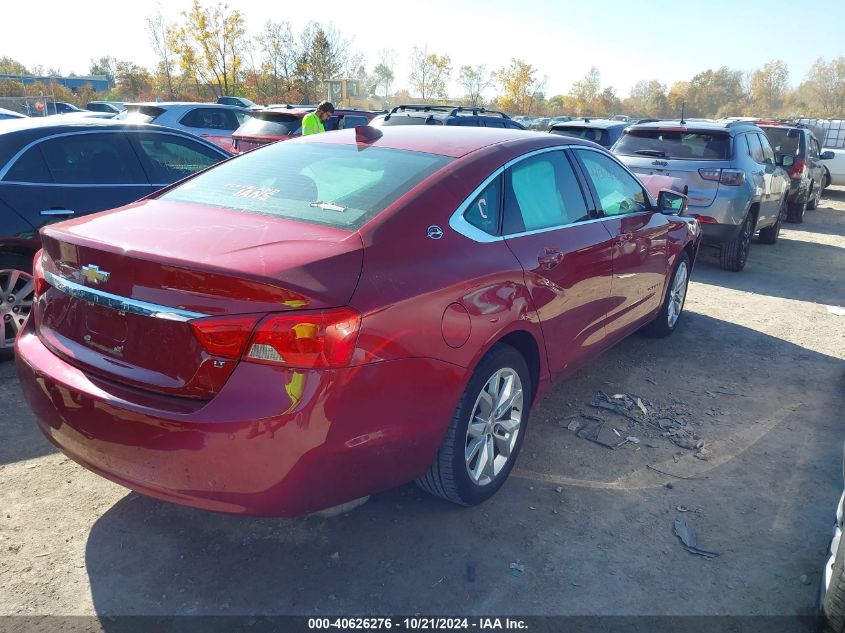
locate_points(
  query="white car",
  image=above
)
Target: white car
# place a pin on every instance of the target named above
(214, 122)
(10, 114)
(834, 160)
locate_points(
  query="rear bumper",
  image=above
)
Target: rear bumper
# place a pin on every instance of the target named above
(273, 442)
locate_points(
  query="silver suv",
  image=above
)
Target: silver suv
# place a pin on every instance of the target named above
(736, 186)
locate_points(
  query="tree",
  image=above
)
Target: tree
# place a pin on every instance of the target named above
(213, 38)
(104, 66)
(132, 80)
(429, 73)
(585, 93)
(716, 93)
(323, 54)
(647, 98)
(825, 87)
(162, 35)
(474, 80)
(768, 87)
(9, 66)
(383, 76)
(520, 86)
(280, 55)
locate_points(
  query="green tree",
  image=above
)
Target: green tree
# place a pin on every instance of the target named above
(132, 80)
(429, 73)
(104, 66)
(323, 55)
(585, 93)
(9, 66)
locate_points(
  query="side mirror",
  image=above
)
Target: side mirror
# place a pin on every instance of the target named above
(671, 202)
(786, 161)
(827, 155)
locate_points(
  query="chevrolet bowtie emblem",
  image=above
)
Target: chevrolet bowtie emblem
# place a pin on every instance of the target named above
(94, 275)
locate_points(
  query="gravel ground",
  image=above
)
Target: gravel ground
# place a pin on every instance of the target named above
(756, 373)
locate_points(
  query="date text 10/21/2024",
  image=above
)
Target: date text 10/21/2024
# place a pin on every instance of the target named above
(418, 624)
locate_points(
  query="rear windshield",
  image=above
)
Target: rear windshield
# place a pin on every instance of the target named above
(276, 125)
(142, 114)
(343, 186)
(785, 141)
(589, 133)
(688, 145)
(402, 119)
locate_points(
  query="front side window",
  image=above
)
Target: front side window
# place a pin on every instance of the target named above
(342, 186)
(484, 211)
(768, 154)
(171, 158)
(92, 159)
(755, 149)
(542, 192)
(619, 192)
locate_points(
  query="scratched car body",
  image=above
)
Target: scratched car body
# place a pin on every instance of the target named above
(326, 318)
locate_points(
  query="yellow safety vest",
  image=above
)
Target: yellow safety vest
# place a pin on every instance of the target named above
(311, 124)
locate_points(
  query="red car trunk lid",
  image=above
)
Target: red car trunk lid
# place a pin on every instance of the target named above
(124, 286)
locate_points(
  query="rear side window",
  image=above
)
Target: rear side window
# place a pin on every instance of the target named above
(410, 120)
(210, 118)
(342, 186)
(350, 121)
(171, 158)
(588, 133)
(619, 192)
(674, 144)
(276, 125)
(755, 149)
(768, 154)
(542, 192)
(92, 159)
(30, 167)
(140, 114)
(494, 123)
(484, 212)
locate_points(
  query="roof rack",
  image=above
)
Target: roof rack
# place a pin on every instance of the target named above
(476, 110)
(451, 110)
(421, 107)
(646, 120)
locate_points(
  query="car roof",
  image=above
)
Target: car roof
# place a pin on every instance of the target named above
(452, 141)
(600, 124)
(703, 125)
(16, 133)
(164, 105)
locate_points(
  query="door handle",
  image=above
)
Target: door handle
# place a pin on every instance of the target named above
(57, 212)
(549, 258)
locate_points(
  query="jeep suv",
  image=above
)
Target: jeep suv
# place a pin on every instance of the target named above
(424, 114)
(807, 175)
(736, 184)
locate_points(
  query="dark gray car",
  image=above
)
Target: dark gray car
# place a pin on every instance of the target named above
(736, 185)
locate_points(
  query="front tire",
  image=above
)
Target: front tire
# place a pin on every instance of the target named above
(813, 202)
(833, 603)
(16, 293)
(486, 431)
(734, 254)
(669, 316)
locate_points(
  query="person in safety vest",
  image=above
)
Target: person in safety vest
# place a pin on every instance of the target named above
(312, 123)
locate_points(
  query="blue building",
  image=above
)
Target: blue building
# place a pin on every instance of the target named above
(98, 83)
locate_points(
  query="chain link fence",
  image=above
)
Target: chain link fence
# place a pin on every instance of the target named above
(30, 106)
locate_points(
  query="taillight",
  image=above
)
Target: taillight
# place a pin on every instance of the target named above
(224, 336)
(38, 274)
(306, 340)
(731, 177)
(706, 219)
(798, 169)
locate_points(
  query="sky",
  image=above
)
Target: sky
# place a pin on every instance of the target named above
(626, 40)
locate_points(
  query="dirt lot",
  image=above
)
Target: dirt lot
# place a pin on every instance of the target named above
(757, 366)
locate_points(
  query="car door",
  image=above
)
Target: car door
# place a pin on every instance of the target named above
(762, 178)
(74, 174)
(640, 241)
(814, 162)
(167, 157)
(565, 253)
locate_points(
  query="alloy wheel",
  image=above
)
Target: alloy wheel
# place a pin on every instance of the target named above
(494, 426)
(17, 290)
(678, 294)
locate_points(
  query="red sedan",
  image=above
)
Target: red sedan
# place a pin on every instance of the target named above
(325, 318)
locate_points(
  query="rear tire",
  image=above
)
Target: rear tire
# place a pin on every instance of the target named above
(813, 202)
(734, 254)
(16, 283)
(833, 604)
(796, 212)
(672, 308)
(770, 234)
(470, 465)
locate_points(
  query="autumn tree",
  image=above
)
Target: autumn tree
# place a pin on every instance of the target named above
(474, 80)
(9, 66)
(279, 57)
(430, 73)
(132, 80)
(162, 36)
(824, 88)
(647, 98)
(585, 92)
(716, 93)
(768, 87)
(104, 66)
(520, 86)
(212, 39)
